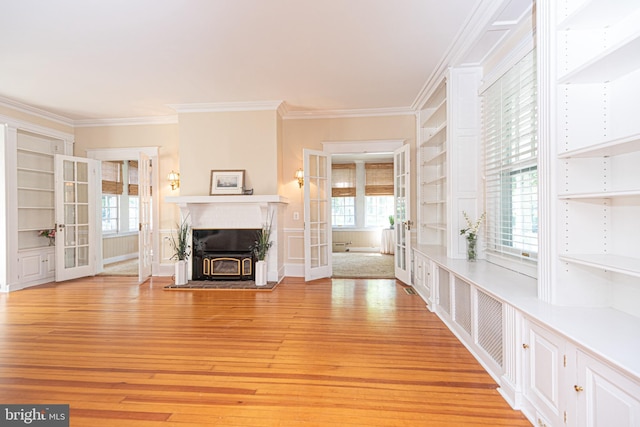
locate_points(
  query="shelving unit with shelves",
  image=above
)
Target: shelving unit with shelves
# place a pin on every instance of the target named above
(35, 187)
(433, 168)
(598, 187)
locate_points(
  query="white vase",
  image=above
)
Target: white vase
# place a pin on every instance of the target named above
(261, 273)
(182, 272)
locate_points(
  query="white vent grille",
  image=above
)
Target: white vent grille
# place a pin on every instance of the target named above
(444, 291)
(463, 305)
(490, 326)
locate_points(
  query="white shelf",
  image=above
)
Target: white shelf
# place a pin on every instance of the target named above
(437, 226)
(615, 263)
(435, 180)
(617, 61)
(429, 112)
(600, 195)
(44, 190)
(432, 136)
(36, 152)
(597, 14)
(614, 147)
(435, 202)
(436, 157)
(36, 171)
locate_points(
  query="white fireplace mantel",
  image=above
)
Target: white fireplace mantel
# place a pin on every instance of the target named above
(228, 211)
(235, 212)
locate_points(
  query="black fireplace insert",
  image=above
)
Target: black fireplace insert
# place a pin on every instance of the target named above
(223, 254)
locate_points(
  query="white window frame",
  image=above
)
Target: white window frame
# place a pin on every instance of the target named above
(509, 123)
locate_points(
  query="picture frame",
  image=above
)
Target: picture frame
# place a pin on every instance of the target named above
(226, 182)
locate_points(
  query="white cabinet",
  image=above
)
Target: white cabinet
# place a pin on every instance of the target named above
(423, 278)
(36, 266)
(598, 151)
(544, 369)
(604, 396)
(563, 384)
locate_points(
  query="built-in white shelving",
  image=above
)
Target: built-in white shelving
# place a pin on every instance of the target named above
(432, 150)
(598, 154)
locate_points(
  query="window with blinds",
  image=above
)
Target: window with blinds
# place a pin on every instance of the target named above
(509, 115)
(378, 179)
(343, 180)
(112, 177)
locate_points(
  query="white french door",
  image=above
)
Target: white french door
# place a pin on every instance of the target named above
(144, 212)
(75, 216)
(317, 215)
(402, 203)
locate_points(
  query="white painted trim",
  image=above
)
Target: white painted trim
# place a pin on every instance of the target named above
(214, 107)
(131, 121)
(130, 153)
(521, 50)
(365, 146)
(33, 128)
(28, 109)
(338, 114)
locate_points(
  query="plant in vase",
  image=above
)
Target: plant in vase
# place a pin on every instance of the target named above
(471, 234)
(260, 249)
(49, 234)
(392, 221)
(181, 252)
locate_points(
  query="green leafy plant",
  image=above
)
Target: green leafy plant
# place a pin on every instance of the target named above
(180, 244)
(392, 221)
(263, 240)
(471, 231)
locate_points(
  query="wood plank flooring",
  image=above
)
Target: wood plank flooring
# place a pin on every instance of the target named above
(336, 352)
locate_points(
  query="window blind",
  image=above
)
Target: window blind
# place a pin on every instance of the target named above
(509, 115)
(112, 177)
(378, 179)
(133, 178)
(343, 180)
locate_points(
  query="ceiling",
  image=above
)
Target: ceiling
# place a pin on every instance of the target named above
(92, 60)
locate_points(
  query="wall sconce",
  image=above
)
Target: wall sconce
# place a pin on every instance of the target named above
(299, 175)
(174, 180)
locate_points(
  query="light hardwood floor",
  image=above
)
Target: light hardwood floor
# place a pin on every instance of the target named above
(326, 353)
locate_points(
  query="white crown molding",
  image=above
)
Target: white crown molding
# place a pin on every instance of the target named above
(338, 114)
(131, 121)
(215, 107)
(28, 109)
(472, 29)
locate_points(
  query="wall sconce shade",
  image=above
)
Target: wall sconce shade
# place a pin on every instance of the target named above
(174, 180)
(299, 175)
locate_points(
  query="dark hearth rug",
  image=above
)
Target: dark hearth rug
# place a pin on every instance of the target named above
(218, 285)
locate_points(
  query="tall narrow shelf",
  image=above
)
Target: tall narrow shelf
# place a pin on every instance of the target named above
(598, 186)
(35, 187)
(433, 168)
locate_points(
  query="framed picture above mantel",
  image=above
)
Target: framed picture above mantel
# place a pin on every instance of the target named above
(225, 182)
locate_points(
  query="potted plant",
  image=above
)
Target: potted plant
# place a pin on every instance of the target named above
(181, 252)
(392, 221)
(260, 249)
(471, 234)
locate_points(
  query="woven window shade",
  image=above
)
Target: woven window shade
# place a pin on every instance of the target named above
(133, 177)
(112, 178)
(378, 179)
(343, 180)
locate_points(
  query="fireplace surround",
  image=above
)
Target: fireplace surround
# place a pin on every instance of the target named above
(241, 212)
(223, 254)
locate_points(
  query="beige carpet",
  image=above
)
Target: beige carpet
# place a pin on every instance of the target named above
(366, 265)
(123, 268)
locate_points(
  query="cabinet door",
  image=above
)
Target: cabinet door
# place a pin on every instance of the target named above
(544, 370)
(605, 397)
